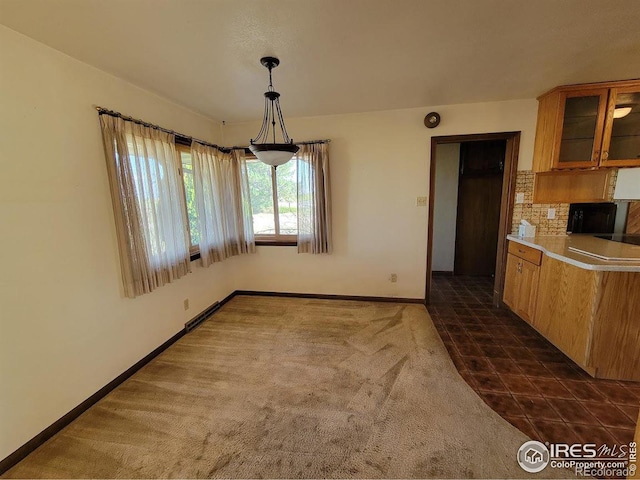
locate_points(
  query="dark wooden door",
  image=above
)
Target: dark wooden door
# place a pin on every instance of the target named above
(479, 197)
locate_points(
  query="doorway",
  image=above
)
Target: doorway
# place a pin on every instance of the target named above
(473, 182)
(480, 171)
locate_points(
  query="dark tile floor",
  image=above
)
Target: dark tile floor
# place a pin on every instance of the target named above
(522, 376)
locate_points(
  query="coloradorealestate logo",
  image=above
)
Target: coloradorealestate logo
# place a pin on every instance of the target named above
(533, 456)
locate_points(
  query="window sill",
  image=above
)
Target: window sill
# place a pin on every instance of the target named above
(259, 243)
(276, 243)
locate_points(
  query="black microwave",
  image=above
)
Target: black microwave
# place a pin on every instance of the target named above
(592, 218)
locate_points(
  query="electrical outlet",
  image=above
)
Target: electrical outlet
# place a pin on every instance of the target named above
(520, 197)
(393, 278)
(551, 213)
(186, 304)
(421, 201)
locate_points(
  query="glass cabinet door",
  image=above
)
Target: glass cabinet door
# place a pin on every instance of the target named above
(579, 141)
(621, 144)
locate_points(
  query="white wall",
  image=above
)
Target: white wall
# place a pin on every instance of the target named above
(445, 207)
(627, 184)
(65, 328)
(379, 165)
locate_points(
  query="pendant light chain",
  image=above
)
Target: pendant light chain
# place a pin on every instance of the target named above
(264, 120)
(272, 110)
(273, 121)
(274, 153)
(285, 135)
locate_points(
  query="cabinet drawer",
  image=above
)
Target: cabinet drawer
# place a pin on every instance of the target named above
(527, 253)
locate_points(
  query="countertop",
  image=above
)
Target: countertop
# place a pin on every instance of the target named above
(557, 246)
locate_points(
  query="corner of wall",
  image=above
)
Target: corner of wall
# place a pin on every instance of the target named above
(219, 132)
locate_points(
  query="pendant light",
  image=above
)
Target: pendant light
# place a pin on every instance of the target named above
(622, 111)
(273, 154)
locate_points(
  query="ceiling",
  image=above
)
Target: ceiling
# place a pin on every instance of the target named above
(340, 56)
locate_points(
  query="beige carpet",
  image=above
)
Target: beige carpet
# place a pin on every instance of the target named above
(279, 387)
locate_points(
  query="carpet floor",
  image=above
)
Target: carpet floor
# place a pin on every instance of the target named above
(291, 388)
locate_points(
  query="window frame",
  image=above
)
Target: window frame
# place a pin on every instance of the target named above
(185, 146)
(277, 239)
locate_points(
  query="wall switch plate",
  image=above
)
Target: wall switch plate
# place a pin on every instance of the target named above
(393, 278)
(186, 304)
(551, 213)
(520, 197)
(421, 201)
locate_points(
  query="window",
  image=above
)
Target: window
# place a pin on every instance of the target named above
(187, 177)
(149, 198)
(148, 209)
(274, 201)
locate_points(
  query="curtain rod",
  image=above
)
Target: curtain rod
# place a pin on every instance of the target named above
(308, 142)
(112, 113)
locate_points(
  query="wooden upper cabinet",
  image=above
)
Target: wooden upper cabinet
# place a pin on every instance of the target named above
(621, 140)
(581, 127)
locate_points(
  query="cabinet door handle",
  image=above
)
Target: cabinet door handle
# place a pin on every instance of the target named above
(596, 155)
(605, 155)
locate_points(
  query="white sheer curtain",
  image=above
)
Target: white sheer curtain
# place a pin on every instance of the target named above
(314, 199)
(148, 204)
(221, 187)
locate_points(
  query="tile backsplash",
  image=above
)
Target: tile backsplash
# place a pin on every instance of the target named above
(536, 213)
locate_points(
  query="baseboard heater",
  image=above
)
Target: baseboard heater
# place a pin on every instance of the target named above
(201, 317)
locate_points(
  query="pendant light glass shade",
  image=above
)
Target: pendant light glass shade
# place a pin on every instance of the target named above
(274, 153)
(621, 111)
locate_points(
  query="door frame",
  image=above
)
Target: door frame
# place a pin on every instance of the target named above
(507, 200)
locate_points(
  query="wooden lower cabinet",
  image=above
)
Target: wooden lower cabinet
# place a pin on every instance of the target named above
(520, 287)
(564, 307)
(510, 293)
(591, 316)
(615, 344)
